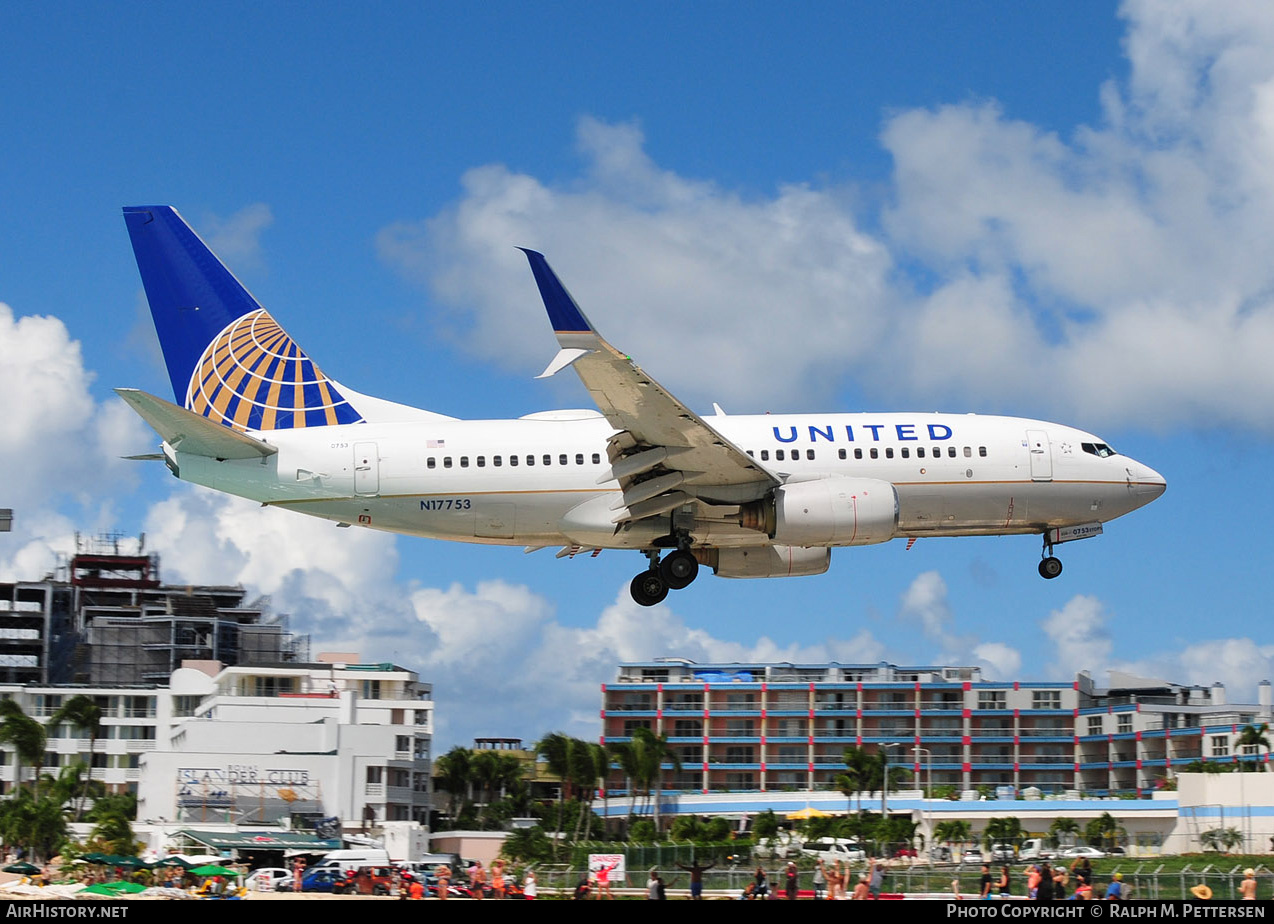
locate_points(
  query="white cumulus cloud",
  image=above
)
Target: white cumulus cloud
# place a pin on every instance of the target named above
(678, 272)
(1116, 274)
(55, 440)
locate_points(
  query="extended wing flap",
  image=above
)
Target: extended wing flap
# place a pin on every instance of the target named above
(187, 431)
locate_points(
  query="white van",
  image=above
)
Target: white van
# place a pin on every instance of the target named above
(832, 849)
(1034, 849)
(349, 860)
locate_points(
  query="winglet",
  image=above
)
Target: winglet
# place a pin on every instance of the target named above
(564, 314)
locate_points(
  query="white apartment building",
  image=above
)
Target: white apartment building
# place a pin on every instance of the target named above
(254, 745)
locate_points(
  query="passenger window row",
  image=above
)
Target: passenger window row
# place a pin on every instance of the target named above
(873, 453)
(498, 461)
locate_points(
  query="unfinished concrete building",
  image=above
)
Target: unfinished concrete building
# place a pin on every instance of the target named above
(106, 618)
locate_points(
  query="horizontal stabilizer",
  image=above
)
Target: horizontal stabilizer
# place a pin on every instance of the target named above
(145, 457)
(186, 431)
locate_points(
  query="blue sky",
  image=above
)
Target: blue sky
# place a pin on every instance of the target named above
(1051, 210)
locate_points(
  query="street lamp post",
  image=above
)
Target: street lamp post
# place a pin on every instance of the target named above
(928, 770)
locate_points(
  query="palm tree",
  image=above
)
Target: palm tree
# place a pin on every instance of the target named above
(27, 737)
(1062, 826)
(953, 832)
(483, 768)
(847, 783)
(1255, 736)
(858, 763)
(601, 770)
(83, 714)
(1003, 830)
(556, 748)
(1103, 828)
(455, 775)
(1221, 839)
(655, 753)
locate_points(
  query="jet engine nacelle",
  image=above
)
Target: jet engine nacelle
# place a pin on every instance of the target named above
(765, 562)
(827, 512)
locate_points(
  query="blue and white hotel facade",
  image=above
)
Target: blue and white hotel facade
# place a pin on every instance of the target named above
(785, 727)
(753, 737)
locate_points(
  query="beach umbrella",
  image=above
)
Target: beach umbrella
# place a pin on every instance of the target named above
(121, 886)
(807, 813)
(23, 867)
(214, 871)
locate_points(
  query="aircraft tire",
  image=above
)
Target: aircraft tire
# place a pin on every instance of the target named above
(1050, 568)
(648, 588)
(679, 569)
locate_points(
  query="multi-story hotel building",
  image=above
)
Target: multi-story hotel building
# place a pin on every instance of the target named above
(767, 727)
(251, 744)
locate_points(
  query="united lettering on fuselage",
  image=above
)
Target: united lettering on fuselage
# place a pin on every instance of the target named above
(904, 433)
(644, 472)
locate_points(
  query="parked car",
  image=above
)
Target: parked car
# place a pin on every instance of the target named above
(316, 880)
(1033, 848)
(350, 860)
(1002, 852)
(905, 853)
(267, 879)
(971, 857)
(781, 847)
(1071, 853)
(831, 849)
(367, 880)
(940, 854)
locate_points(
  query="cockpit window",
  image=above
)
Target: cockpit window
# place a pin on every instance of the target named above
(1100, 450)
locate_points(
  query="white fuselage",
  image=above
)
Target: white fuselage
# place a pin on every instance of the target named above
(514, 482)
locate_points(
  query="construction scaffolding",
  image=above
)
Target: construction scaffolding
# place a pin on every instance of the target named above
(104, 617)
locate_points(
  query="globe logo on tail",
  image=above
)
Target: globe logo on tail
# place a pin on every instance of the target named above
(253, 376)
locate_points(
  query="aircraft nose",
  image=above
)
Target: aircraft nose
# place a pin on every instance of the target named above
(1147, 482)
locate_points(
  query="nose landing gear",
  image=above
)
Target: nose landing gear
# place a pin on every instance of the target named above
(677, 570)
(1050, 567)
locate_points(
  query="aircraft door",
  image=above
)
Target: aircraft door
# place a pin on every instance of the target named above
(366, 469)
(1041, 455)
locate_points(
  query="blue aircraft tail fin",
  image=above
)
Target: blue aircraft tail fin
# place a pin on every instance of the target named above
(227, 358)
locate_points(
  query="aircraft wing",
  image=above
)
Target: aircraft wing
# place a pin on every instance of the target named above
(664, 454)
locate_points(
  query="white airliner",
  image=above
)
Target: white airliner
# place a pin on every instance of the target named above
(749, 496)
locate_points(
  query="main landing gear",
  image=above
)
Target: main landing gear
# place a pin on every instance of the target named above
(1050, 567)
(677, 570)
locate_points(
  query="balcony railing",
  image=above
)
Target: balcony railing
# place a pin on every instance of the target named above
(788, 705)
(1046, 759)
